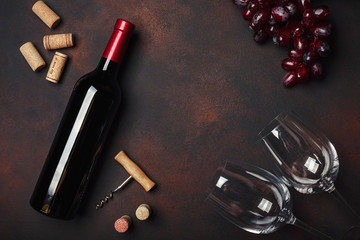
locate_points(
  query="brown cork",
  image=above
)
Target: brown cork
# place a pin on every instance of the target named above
(57, 41)
(32, 56)
(56, 67)
(122, 224)
(143, 212)
(48, 16)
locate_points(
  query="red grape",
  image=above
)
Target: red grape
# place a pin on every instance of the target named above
(322, 29)
(321, 12)
(265, 3)
(280, 14)
(247, 14)
(308, 19)
(255, 26)
(272, 20)
(291, 7)
(253, 6)
(272, 30)
(302, 73)
(316, 69)
(289, 79)
(289, 64)
(296, 55)
(242, 3)
(310, 56)
(304, 4)
(322, 48)
(261, 16)
(300, 44)
(260, 36)
(283, 37)
(295, 28)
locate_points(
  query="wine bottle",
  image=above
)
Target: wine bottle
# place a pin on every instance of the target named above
(83, 129)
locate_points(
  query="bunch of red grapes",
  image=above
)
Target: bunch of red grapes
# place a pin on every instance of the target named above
(294, 24)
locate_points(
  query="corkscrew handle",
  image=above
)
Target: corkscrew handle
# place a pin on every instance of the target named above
(134, 171)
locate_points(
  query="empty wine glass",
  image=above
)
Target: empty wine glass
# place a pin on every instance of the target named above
(253, 199)
(305, 158)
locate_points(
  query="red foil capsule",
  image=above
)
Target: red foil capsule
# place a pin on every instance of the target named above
(116, 46)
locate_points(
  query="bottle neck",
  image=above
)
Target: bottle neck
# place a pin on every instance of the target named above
(107, 65)
(116, 46)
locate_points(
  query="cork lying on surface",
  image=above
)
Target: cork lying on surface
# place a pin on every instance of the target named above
(143, 212)
(56, 67)
(122, 224)
(57, 41)
(32, 56)
(48, 16)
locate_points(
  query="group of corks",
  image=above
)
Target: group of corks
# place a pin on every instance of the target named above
(51, 42)
(142, 213)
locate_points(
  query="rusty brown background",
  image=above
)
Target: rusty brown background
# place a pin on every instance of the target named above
(196, 89)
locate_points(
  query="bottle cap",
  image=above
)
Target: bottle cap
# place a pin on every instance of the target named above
(118, 41)
(124, 25)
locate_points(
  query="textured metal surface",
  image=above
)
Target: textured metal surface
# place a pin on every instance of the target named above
(196, 89)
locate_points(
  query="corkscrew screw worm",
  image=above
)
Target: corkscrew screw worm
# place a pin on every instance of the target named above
(110, 195)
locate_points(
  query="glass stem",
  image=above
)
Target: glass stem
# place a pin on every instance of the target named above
(300, 224)
(344, 203)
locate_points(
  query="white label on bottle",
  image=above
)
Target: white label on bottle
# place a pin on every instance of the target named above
(79, 121)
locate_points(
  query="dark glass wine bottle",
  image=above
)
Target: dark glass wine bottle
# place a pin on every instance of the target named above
(83, 129)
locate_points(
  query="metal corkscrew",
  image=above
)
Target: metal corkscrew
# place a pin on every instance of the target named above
(134, 171)
(111, 194)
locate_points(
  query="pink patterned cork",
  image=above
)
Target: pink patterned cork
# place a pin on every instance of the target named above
(122, 224)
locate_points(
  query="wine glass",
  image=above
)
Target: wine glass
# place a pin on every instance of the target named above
(253, 199)
(305, 159)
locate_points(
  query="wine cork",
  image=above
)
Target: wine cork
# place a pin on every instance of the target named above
(32, 56)
(143, 212)
(57, 41)
(122, 224)
(48, 16)
(56, 67)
